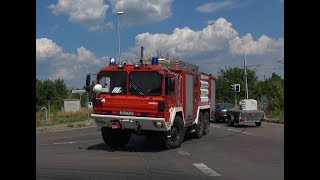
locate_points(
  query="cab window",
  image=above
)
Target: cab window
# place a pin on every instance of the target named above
(169, 86)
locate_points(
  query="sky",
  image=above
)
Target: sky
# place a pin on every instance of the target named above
(77, 37)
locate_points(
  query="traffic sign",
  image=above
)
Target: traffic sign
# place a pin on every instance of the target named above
(78, 91)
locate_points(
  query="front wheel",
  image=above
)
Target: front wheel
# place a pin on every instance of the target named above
(115, 137)
(176, 134)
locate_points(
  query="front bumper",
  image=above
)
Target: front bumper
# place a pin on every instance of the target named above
(130, 122)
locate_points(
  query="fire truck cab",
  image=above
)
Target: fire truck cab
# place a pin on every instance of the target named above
(161, 99)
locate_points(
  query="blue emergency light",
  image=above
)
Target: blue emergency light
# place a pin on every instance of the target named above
(154, 60)
(112, 61)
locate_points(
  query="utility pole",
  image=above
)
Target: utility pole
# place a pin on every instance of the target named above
(88, 104)
(245, 75)
(49, 109)
(235, 98)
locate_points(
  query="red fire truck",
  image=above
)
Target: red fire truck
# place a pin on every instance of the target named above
(163, 100)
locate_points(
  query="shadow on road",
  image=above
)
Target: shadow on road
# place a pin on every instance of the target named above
(136, 144)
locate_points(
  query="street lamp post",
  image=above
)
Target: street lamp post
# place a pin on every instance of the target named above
(118, 14)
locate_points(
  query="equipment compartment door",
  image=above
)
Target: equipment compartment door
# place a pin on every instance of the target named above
(189, 97)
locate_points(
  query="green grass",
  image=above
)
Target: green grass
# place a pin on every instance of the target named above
(61, 118)
(275, 116)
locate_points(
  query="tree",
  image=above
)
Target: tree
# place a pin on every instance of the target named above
(273, 88)
(227, 77)
(53, 91)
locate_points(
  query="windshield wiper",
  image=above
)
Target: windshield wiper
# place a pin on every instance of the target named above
(138, 89)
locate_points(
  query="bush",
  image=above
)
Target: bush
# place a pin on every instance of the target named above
(276, 115)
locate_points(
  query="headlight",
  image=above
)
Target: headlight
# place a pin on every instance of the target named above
(97, 88)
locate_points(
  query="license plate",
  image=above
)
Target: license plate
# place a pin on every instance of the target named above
(126, 113)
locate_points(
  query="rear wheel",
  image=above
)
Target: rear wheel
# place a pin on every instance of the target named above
(258, 124)
(200, 126)
(115, 137)
(206, 123)
(176, 134)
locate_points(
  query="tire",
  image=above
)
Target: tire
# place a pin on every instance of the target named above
(177, 134)
(199, 126)
(115, 137)
(206, 119)
(258, 124)
(231, 120)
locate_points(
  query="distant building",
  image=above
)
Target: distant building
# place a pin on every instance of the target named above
(71, 105)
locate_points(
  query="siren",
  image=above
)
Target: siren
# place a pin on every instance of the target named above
(154, 61)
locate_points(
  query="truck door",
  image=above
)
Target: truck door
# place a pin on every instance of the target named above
(170, 92)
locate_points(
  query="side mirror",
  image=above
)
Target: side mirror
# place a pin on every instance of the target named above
(88, 80)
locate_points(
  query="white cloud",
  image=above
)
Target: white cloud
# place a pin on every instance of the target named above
(138, 12)
(84, 54)
(263, 45)
(46, 48)
(72, 67)
(216, 45)
(63, 73)
(215, 37)
(89, 13)
(214, 6)
(187, 42)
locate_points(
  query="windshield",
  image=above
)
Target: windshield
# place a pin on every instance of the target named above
(113, 82)
(145, 83)
(225, 106)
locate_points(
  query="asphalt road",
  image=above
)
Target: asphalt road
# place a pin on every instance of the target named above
(226, 153)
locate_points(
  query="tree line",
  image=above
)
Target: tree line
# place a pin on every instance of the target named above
(270, 90)
(54, 92)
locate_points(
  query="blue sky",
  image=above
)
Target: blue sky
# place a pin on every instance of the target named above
(76, 37)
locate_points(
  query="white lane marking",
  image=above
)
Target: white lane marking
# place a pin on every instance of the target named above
(205, 169)
(183, 153)
(239, 131)
(65, 143)
(214, 126)
(247, 133)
